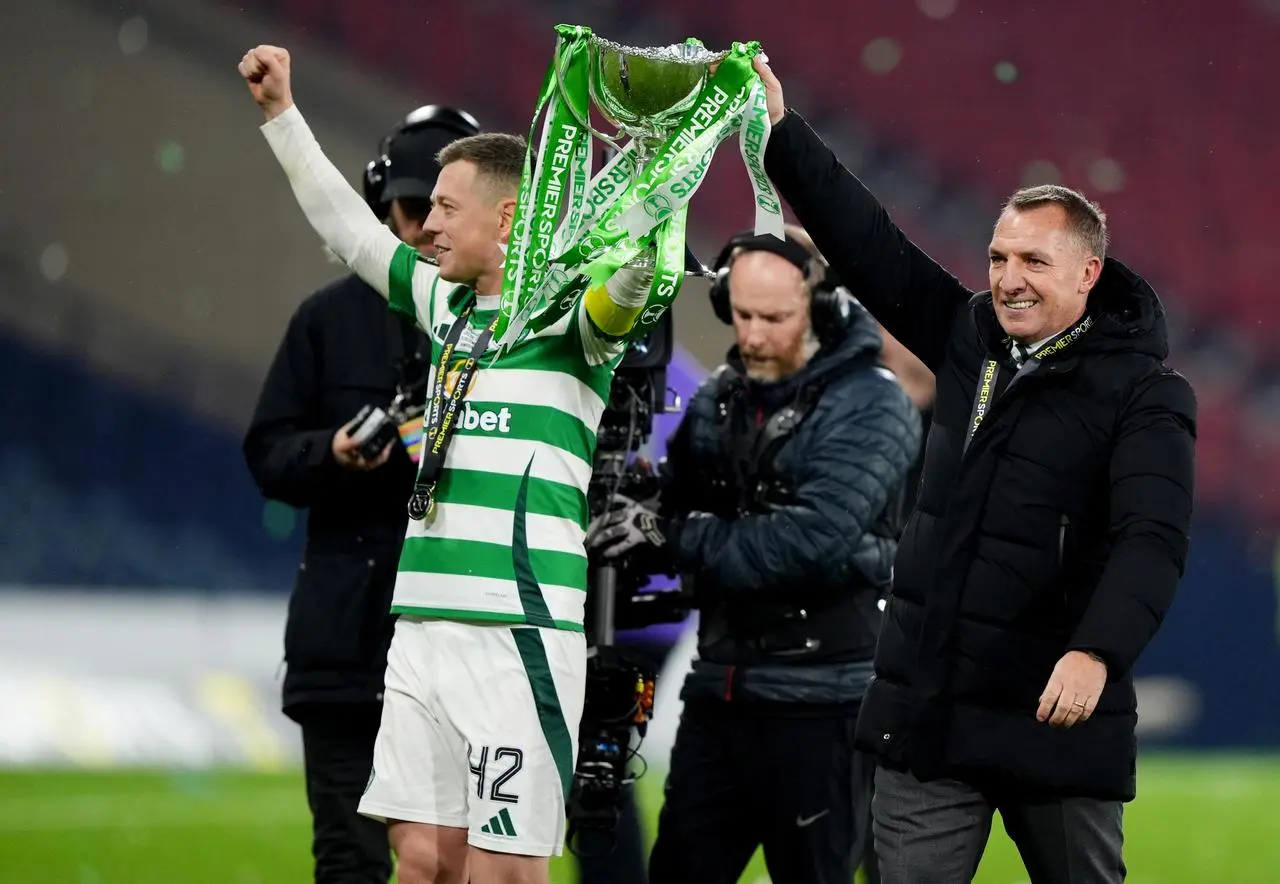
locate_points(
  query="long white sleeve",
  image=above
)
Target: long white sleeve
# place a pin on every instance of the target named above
(339, 214)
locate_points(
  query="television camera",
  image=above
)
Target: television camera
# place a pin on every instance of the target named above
(620, 691)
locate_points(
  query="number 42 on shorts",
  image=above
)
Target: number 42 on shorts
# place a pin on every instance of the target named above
(495, 768)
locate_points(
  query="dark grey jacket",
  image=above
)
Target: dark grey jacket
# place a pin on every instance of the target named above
(807, 553)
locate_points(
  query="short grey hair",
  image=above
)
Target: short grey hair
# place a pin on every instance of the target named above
(1085, 219)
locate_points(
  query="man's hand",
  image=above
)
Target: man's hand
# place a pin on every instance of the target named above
(266, 70)
(772, 89)
(624, 527)
(1073, 689)
(346, 451)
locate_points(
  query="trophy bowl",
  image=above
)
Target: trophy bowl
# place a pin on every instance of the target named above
(645, 90)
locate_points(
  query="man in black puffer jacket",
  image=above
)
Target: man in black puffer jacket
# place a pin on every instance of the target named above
(773, 510)
(1049, 536)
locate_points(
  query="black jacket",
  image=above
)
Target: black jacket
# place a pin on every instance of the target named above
(1064, 526)
(792, 545)
(338, 354)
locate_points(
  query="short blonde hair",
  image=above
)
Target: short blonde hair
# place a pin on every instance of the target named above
(498, 158)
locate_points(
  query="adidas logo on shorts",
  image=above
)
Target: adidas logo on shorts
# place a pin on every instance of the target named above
(500, 825)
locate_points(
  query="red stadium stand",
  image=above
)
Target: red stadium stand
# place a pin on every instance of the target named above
(1164, 117)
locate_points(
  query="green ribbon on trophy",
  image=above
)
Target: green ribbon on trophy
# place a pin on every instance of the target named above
(572, 230)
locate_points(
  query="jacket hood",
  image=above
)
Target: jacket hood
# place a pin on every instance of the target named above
(1128, 313)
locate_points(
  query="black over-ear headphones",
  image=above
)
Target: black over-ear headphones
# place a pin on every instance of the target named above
(828, 301)
(430, 116)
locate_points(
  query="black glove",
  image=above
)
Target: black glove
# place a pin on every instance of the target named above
(628, 527)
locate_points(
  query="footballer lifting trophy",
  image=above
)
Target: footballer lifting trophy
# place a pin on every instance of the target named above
(573, 229)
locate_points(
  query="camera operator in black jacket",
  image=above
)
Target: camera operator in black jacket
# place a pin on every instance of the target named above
(774, 509)
(344, 351)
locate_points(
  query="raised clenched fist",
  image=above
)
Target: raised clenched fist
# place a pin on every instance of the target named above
(266, 70)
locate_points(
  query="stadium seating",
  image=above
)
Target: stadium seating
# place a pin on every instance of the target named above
(1176, 151)
(390, 34)
(1179, 148)
(106, 487)
(967, 99)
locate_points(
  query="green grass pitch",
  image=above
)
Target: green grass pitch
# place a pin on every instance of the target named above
(1197, 818)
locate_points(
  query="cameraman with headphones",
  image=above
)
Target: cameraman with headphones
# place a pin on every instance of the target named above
(778, 495)
(311, 444)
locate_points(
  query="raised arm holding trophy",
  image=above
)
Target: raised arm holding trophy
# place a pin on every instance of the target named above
(544, 273)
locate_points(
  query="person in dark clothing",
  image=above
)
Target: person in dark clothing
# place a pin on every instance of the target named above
(917, 380)
(342, 351)
(1049, 537)
(773, 510)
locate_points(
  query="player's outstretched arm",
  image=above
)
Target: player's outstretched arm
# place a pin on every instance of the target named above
(334, 209)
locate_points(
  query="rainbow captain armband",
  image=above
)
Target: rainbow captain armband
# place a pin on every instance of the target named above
(411, 437)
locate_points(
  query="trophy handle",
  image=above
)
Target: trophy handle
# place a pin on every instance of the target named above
(612, 140)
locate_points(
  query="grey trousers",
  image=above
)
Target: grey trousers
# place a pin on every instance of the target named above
(935, 832)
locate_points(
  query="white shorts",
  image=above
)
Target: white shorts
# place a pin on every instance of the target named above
(480, 731)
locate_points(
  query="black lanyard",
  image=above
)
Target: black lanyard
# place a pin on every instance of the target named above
(442, 414)
(984, 396)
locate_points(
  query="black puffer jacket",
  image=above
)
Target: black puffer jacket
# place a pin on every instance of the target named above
(813, 541)
(1064, 526)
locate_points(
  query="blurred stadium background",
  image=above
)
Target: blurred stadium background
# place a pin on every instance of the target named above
(151, 253)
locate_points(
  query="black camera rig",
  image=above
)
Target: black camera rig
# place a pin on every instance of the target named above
(620, 689)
